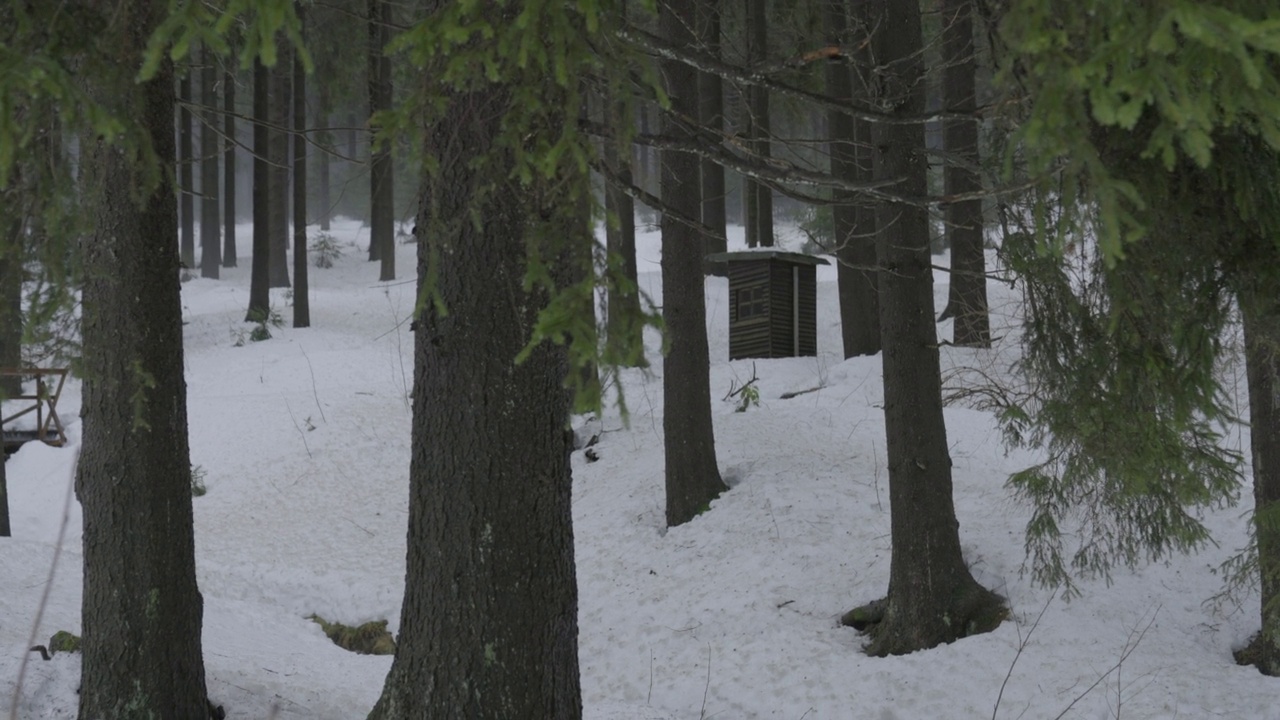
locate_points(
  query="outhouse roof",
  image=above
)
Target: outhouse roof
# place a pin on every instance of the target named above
(767, 254)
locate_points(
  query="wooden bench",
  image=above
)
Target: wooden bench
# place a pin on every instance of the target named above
(43, 403)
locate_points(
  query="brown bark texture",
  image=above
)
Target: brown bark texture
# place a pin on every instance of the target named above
(932, 598)
(141, 611)
(853, 219)
(185, 160)
(210, 220)
(229, 171)
(488, 627)
(692, 476)
(1261, 314)
(967, 302)
(620, 241)
(711, 117)
(259, 273)
(757, 196)
(278, 171)
(301, 301)
(381, 170)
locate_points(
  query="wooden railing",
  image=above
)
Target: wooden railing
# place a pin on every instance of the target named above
(43, 403)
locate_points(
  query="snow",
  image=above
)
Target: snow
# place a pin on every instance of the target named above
(304, 440)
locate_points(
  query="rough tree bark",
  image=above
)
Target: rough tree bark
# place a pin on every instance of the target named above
(488, 627)
(187, 211)
(711, 117)
(11, 321)
(301, 303)
(259, 276)
(210, 221)
(620, 241)
(229, 170)
(322, 158)
(932, 598)
(854, 219)
(1261, 315)
(141, 611)
(967, 299)
(278, 172)
(758, 197)
(381, 178)
(692, 477)
(4, 499)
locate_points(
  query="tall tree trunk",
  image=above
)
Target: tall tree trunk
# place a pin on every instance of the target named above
(1261, 315)
(489, 626)
(382, 187)
(711, 117)
(301, 303)
(758, 197)
(141, 611)
(10, 316)
(229, 170)
(932, 599)
(260, 277)
(5, 530)
(692, 477)
(352, 138)
(210, 221)
(854, 219)
(967, 301)
(11, 321)
(322, 157)
(624, 327)
(278, 173)
(185, 160)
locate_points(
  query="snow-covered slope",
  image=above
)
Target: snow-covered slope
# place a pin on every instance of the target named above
(304, 441)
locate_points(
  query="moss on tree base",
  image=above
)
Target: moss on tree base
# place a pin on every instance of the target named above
(1255, 654)
(895, 630)
(371, 638)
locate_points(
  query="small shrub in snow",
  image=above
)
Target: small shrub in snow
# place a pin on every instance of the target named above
(263, 319)
(326, 250)
(198, 488)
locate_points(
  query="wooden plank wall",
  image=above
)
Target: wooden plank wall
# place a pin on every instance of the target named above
(771, 335)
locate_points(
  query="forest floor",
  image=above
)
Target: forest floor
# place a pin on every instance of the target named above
(303, 441)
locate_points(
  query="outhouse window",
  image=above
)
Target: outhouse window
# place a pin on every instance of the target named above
(751, 303)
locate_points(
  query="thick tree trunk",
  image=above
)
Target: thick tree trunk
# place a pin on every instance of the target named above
(229, 171)
(382, 186)
(210, 220)
(141, 612)
(185, 160)
(489, 623)
(692, 477)
(278, 174)
(854, 219)
(932, 597)
(1261, 315)
(711, 117)
(968, 294)
(301, 303)
(260, 277)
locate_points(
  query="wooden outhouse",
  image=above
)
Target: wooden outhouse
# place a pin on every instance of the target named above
(773, 299)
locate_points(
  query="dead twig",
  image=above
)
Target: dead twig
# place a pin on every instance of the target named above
(735, 389)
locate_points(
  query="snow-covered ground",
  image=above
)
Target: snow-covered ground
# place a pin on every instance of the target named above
(304, 440)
